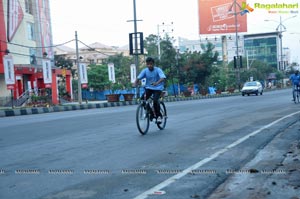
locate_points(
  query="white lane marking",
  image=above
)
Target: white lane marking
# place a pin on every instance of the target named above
(172, 179)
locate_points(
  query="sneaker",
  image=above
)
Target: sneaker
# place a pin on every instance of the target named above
(159, 120)
(151, 117)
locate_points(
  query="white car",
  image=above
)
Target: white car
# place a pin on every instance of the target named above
(253, 87)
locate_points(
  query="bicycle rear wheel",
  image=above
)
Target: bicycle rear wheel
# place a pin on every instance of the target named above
(295, 96)
(163, 112)
(142, 119)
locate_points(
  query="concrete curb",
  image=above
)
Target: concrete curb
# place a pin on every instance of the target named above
(72, 107)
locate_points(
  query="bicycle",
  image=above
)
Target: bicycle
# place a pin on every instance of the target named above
(145, 114)
(296, 93)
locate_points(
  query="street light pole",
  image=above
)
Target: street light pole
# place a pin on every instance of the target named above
(78, 70)
(158, 35)
(135, 50)
(158, 42)
(237, 43)
(136, 57)
(235, 13)
(280, 37)
(280, 29)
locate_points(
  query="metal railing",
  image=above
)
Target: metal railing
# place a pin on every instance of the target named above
(19, 101)
(22, 98)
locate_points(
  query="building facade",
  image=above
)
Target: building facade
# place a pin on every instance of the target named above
(94, 53)
(26, 36)
(265, 47)
(225, 45)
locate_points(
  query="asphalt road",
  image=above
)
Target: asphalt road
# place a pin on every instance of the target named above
(98, 153)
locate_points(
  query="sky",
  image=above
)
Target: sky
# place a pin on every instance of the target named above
(107, 21)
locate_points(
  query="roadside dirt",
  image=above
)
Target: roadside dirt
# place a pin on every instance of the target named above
(273, 174)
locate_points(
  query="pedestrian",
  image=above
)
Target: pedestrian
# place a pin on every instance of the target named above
(270, 84)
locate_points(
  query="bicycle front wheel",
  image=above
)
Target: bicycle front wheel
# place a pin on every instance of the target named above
(163, 112)
(142, 119)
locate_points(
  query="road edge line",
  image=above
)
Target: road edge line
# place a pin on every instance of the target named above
(172, 179)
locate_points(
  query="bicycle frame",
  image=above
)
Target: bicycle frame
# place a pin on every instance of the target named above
(145, 113)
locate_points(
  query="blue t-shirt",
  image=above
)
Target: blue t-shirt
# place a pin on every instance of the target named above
(295, 79)
(151, 77)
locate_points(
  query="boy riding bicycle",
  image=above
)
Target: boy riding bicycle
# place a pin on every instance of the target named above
(295, 78)
(155, 78)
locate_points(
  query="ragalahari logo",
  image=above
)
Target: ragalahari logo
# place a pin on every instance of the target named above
(245, 8)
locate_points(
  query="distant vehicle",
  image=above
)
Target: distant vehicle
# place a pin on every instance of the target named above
(253, 87)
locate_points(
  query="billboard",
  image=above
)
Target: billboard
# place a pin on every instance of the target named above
(9, 71)
(15, 17)
(83, 73)
(111, 72)
(45, 27)
(132, 73)
(218, 16)
(47, 75)
(3, 45)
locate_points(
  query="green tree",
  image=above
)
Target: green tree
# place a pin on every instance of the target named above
(168, 60)
(150, 44)
(62, 62)
(98, 74)
(122, 69)
(257, 70)
(168, 53)
(98, 77)
(199, 66)
(218, 78)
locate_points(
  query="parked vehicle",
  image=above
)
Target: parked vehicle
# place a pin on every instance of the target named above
(253, 87)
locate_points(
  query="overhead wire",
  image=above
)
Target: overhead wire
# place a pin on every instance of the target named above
(92, 48)
(25, 55)
(24, 46)
(41, 20)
